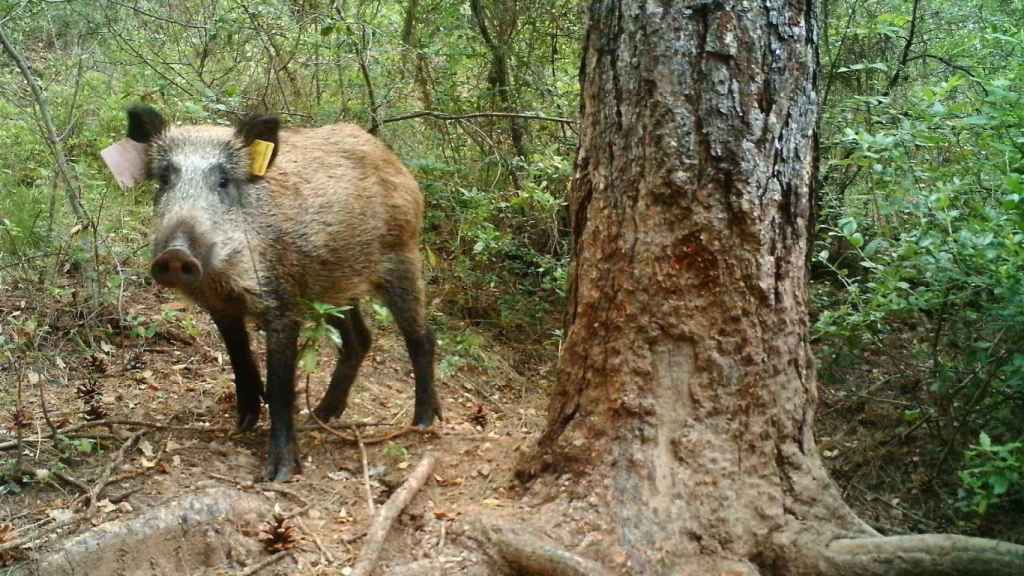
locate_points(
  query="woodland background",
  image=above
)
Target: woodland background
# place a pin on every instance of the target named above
(917, 280)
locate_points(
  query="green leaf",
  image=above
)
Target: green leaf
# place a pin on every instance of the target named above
(857, 240)
(309, 359)
(1000, 484)
(984, 441)
(874, 246)
(848, 226)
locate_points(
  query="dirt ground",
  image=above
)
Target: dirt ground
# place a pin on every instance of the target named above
(178, 375)
(180, 491)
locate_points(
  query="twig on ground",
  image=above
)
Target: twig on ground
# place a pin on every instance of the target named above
(105, 478)
(265, 563)
(357, 440)
(130, 423)
(366, 476)
(325, 555)
(391, 509)
(124, 495)
(268, 487)
(73, 481)
(91, 494)
(25, 541)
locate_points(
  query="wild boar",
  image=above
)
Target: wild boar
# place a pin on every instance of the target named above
(335, 217)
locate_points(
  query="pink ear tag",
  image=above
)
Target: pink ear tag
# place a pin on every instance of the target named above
(126, 160)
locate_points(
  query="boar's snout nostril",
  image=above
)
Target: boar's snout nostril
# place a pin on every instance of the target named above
(176, 268)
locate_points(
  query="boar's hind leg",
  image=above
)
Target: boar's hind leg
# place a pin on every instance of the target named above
(282, 353)
(355, 340)
(248, 388)
(403, 295)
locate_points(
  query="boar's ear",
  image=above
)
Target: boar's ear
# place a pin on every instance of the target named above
(144, 123)
(263, 128)
(127, 158)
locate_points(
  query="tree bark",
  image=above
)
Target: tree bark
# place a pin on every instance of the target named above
(686, 385)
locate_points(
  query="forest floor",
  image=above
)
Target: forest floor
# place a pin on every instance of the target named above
(173, 378)
(166, 371)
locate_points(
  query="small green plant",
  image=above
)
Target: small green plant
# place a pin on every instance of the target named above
(462, 348)
(396, 452)
(187, 322)
(141, 327)
(315, 331)
(381, 314)
(994, 473)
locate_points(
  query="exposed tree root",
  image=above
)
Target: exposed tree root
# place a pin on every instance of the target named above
(522, 553)
(921, 555)
(391, 509)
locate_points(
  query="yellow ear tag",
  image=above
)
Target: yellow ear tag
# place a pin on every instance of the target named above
(261, 151)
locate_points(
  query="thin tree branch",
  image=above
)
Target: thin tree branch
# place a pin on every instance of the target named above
(71, 185)
(474, 115)
(362, 45)
(905, 57)
(952, 65)
(158, 17)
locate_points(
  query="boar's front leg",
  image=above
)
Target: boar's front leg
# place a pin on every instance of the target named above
(248, 386)
(282, 342)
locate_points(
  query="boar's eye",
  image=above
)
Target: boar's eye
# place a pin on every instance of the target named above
(164, 176)
(223, 182)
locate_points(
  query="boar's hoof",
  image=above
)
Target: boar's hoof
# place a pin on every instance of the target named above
(283, 462)
(325, 413)
(423, 420)
(247, 419)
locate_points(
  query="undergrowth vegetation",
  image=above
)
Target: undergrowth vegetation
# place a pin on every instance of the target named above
(920, 247)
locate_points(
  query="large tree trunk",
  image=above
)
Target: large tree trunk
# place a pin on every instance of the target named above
(686, 383)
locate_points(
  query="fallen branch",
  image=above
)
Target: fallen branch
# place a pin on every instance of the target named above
(529, 554)
(391, 509)
(474, 115)
(362, 442)
(373, 439)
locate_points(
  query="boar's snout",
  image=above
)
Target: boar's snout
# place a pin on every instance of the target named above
(176, 268)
